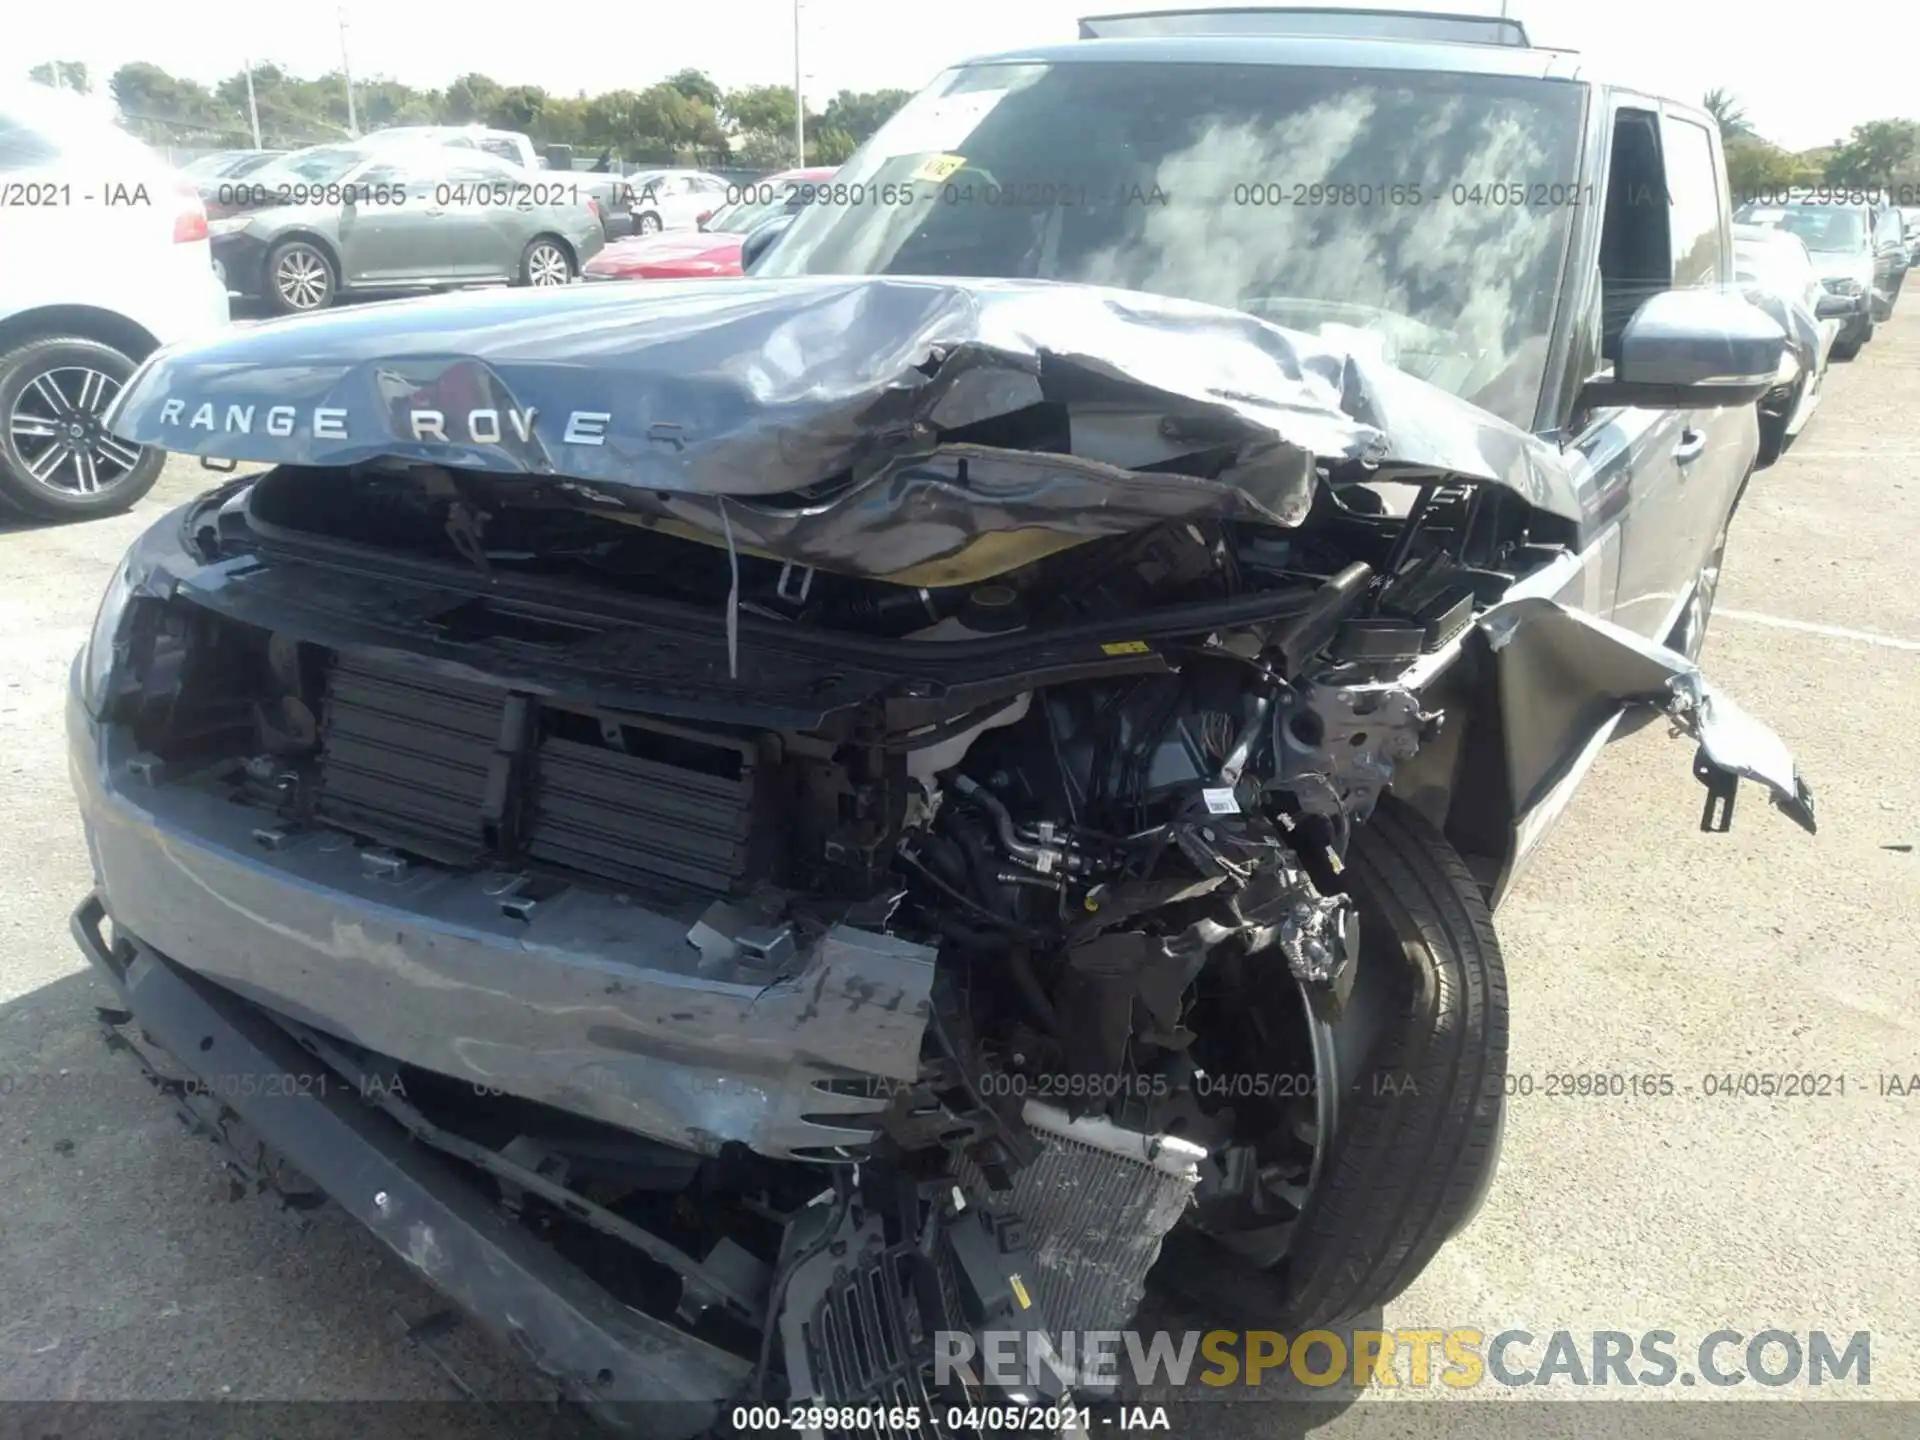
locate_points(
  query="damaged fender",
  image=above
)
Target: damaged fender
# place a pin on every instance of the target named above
(1565, 679)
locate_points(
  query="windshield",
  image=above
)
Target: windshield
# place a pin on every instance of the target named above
(1377, 207)
(750, 212)
(247, 165)
(212, 165)
(1833, 229)
(322, 165)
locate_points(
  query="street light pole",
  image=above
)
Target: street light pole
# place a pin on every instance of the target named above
(353, 120)
(799, 100)
(253, 108)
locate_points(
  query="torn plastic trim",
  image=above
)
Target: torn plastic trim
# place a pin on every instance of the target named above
(1602, 668)
(764, 389)
(587, 1003)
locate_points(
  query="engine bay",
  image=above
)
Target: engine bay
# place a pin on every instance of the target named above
(1106, 794)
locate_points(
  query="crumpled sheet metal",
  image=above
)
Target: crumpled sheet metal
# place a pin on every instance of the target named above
(754, 389)
(957, 516)
(1624, 668)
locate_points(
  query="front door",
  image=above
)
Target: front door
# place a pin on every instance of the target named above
(393, 234)
(1637, 455)
(1716, 447)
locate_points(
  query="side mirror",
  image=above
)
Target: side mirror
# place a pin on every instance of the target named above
(1692, 350)
(1833, 307)
(700, 220)
(761, 240)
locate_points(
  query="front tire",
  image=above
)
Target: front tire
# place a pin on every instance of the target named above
(57, 461)
(1773, 428)
(647, 224)
(300, 278)
(1414, 1156)
(545, 263)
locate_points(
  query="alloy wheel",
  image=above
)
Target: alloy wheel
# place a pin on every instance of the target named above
(302, 279)
(546, 265)
(647, 225)
(57, 431)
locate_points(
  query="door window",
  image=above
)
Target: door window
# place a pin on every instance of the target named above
(1636, 241)
(1696, 208)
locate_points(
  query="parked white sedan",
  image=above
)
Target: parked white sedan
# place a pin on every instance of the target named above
(1778, 274)
(103, 259)
(674, 199)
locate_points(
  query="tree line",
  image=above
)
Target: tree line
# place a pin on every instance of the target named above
(1878, 153)
(684, 119)
(688, 119)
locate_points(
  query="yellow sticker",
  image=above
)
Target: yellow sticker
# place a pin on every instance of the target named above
(938, 167)
(1020, 1292)
(1127, 647)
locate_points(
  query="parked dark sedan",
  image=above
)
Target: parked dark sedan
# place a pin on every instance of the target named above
(298, 236)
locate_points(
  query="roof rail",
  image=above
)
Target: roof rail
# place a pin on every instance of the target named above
(1328, 21)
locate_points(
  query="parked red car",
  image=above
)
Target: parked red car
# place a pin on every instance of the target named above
(714, 249)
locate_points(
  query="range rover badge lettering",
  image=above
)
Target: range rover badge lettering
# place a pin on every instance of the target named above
(487, 425)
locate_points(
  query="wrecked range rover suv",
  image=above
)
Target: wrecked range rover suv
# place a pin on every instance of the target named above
(750, 828)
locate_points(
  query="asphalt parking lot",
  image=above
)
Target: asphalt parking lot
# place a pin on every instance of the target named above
(1636, 946)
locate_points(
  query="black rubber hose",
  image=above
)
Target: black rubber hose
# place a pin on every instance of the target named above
(1020, 966)
(972, 906)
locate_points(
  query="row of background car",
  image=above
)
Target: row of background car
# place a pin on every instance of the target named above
(417, 208)
(135, 277)
(1829, 269)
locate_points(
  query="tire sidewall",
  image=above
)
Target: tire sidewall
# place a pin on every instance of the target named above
(1407, 1167)
(647, 224)
(17, 369)
(276, 300)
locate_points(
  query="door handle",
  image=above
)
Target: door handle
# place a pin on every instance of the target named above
(1693, 444)
(433, 210)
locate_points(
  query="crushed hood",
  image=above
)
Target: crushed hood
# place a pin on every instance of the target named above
(825, 420)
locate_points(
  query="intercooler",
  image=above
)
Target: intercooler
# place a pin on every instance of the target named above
(1096, 1201)
(466, 773)
(1093, 1206)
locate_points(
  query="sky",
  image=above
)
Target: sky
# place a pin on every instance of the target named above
(1674, 47)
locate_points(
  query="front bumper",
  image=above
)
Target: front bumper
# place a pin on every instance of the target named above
(590, 241)
(578, 1000)
(634, 1371)
(240, 260)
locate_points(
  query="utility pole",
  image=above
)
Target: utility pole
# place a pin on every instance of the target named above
(353, 120)
(799, 99)
(253, 108)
